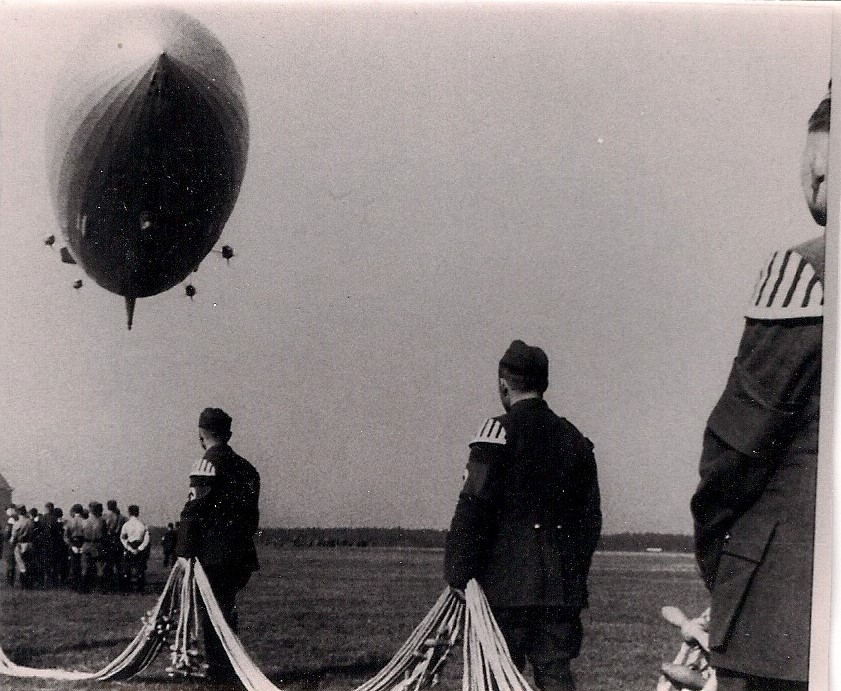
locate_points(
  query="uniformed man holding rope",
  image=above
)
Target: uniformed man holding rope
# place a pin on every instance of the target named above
(528, 520)
(218, 524)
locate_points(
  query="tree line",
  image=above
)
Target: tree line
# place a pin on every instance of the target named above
(427, 538)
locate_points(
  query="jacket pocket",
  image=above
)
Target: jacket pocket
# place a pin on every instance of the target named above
(741, 555)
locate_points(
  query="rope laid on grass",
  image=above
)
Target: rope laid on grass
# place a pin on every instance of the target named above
(136, 656)
(415, 666)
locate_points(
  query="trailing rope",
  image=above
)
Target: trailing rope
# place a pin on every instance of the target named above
(415, 666)
(137, 655)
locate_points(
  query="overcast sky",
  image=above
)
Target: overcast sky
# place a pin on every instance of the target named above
(425, 183)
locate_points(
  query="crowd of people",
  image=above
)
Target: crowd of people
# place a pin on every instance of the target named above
(94, 548)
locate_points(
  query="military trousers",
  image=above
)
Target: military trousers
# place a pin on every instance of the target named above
(548, 637)
(11, 564)
(225, 581)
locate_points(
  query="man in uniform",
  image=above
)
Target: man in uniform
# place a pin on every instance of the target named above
(93, 558)
(754, 509)
(11, 565)
(74, 538)
(218, 524)
(52, 540)
(528, 520)
(112, 548)
(22, 535)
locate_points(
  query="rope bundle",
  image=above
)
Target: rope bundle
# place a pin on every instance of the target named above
(415, 666)
(487, 661)
(144, 648)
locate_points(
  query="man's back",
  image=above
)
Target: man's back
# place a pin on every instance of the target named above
(547, 512)
(227, 517)
(536, 504)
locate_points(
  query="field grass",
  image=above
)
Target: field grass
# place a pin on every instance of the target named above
(327, 619)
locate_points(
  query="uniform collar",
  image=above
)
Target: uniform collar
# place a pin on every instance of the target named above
(217, 451)
(529, 404)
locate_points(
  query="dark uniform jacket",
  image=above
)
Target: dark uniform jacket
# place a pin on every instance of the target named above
(218, 525)
(754, 509)
(528, 517)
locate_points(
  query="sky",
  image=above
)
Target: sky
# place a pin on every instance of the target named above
(425, 183)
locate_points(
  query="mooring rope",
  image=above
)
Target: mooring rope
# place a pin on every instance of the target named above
(133, 659)
(416, 664)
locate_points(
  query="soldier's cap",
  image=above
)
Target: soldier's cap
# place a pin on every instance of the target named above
(527, 361)
(215, 420)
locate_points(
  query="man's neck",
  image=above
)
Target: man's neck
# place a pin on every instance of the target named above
(516, 396)
(213, 444)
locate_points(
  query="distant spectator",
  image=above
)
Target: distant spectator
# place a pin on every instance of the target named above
(51, 552)
(135, 540)
(22, 534)
(93, 561)
(74, 538)
(112, 550)
(11, 568)
(62, 550)
(36, 556)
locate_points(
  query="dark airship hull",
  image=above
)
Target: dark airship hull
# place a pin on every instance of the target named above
(150, 159)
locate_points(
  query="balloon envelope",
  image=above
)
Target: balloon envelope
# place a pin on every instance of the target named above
(149, 141)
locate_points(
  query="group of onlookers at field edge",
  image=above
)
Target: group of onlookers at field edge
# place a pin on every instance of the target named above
(94, 548)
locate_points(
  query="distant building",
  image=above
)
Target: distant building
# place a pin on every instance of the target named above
(5, 493)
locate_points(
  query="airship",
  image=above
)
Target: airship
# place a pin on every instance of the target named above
(147, 142)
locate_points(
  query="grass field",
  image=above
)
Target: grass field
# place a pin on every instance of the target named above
(327, 619)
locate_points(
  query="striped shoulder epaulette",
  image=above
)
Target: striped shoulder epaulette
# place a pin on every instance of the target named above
(787, 288)
(491, 432)
(203, 468)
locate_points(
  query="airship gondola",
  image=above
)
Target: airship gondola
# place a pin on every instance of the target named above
(149, 142)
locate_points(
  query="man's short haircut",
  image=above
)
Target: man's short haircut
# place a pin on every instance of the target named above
(96, 508)
(523, 383)
(133, 510)
(49, 506)
(112, 504)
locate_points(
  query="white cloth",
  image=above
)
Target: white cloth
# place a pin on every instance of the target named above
(134, 535)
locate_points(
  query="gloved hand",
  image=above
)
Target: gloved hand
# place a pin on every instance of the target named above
(458, 592)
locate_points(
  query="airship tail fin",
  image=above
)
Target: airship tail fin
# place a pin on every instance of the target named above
(130, 310)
